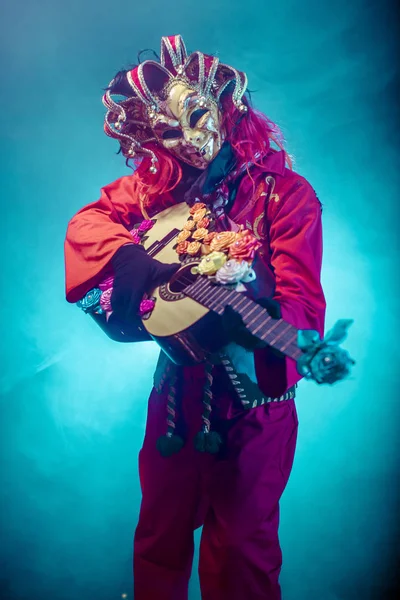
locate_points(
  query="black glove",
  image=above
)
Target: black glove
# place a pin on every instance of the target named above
(237, 331)
(135, 273)
(215, 173)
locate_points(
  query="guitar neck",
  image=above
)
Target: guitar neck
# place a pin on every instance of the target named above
(276, 333)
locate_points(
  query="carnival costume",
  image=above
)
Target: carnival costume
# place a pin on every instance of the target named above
(220, 438)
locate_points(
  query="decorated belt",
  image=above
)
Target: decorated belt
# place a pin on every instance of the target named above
(247, 391)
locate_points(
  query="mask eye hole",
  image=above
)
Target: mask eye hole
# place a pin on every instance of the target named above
(196, 116)
(171, 134)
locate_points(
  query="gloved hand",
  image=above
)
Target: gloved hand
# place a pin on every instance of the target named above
(135, 273)
(213, 175)
(237, 331)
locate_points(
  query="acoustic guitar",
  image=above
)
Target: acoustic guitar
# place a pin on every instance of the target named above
(185, 321)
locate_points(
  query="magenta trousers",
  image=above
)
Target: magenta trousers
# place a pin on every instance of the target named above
(234, 496)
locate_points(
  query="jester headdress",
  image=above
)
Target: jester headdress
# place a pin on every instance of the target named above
(130, 117)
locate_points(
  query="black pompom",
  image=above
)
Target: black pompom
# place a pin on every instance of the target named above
(167, 446)
(208, 442)
(200, 441)
(213, 442)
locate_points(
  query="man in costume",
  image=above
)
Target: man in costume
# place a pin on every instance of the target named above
(188, 126)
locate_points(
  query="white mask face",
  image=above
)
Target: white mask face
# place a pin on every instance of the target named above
(189, 127)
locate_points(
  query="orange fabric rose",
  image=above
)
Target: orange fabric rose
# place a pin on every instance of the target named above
(182, 236)
(209, 237)
(244, 248)
(200, 233)
(189, 225)
(196, 207)
(223, 240)
(199, 214)
(204, 222)
(182, 247)
(193, 248)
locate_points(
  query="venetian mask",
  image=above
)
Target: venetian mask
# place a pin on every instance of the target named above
(188, 125)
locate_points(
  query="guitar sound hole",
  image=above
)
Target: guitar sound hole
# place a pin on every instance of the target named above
(182, 279)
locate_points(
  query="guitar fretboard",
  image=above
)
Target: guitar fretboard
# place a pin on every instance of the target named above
(277, 333)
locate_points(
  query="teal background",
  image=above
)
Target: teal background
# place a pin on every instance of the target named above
(73, 403)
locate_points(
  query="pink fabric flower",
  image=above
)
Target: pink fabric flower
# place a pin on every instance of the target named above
(135, 236)
(105, 299)
(146, 306)
(106, 284)
(145, 225)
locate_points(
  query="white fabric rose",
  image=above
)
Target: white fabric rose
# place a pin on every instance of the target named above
(234, 271)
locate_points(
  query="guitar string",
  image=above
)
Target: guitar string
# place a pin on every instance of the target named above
(282, 341)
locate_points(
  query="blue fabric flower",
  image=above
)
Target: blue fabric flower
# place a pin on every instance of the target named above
(323, 360)
(91, 302)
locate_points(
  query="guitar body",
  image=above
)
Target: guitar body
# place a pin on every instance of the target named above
(185, 330)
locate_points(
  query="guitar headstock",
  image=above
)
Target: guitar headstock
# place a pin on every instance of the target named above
(325, 361)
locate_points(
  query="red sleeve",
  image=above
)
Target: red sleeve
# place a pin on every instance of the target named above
(295, 232)
(95, 233)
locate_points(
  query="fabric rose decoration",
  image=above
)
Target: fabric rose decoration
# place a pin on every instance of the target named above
(182, 236)
(234, 271)
(200, 233)
(199, 214)
(105, 300)
(146, 306)
(209, 237)
(330, 364)
(204, 222)
(91, 302)
(182, 247)
(189, 225)
(196, 207)
(193, 248)
(210, 264)
(223, 240)
(244, 248)
(140, 229)
(106, 284)
(145, 226)
(135, 236)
